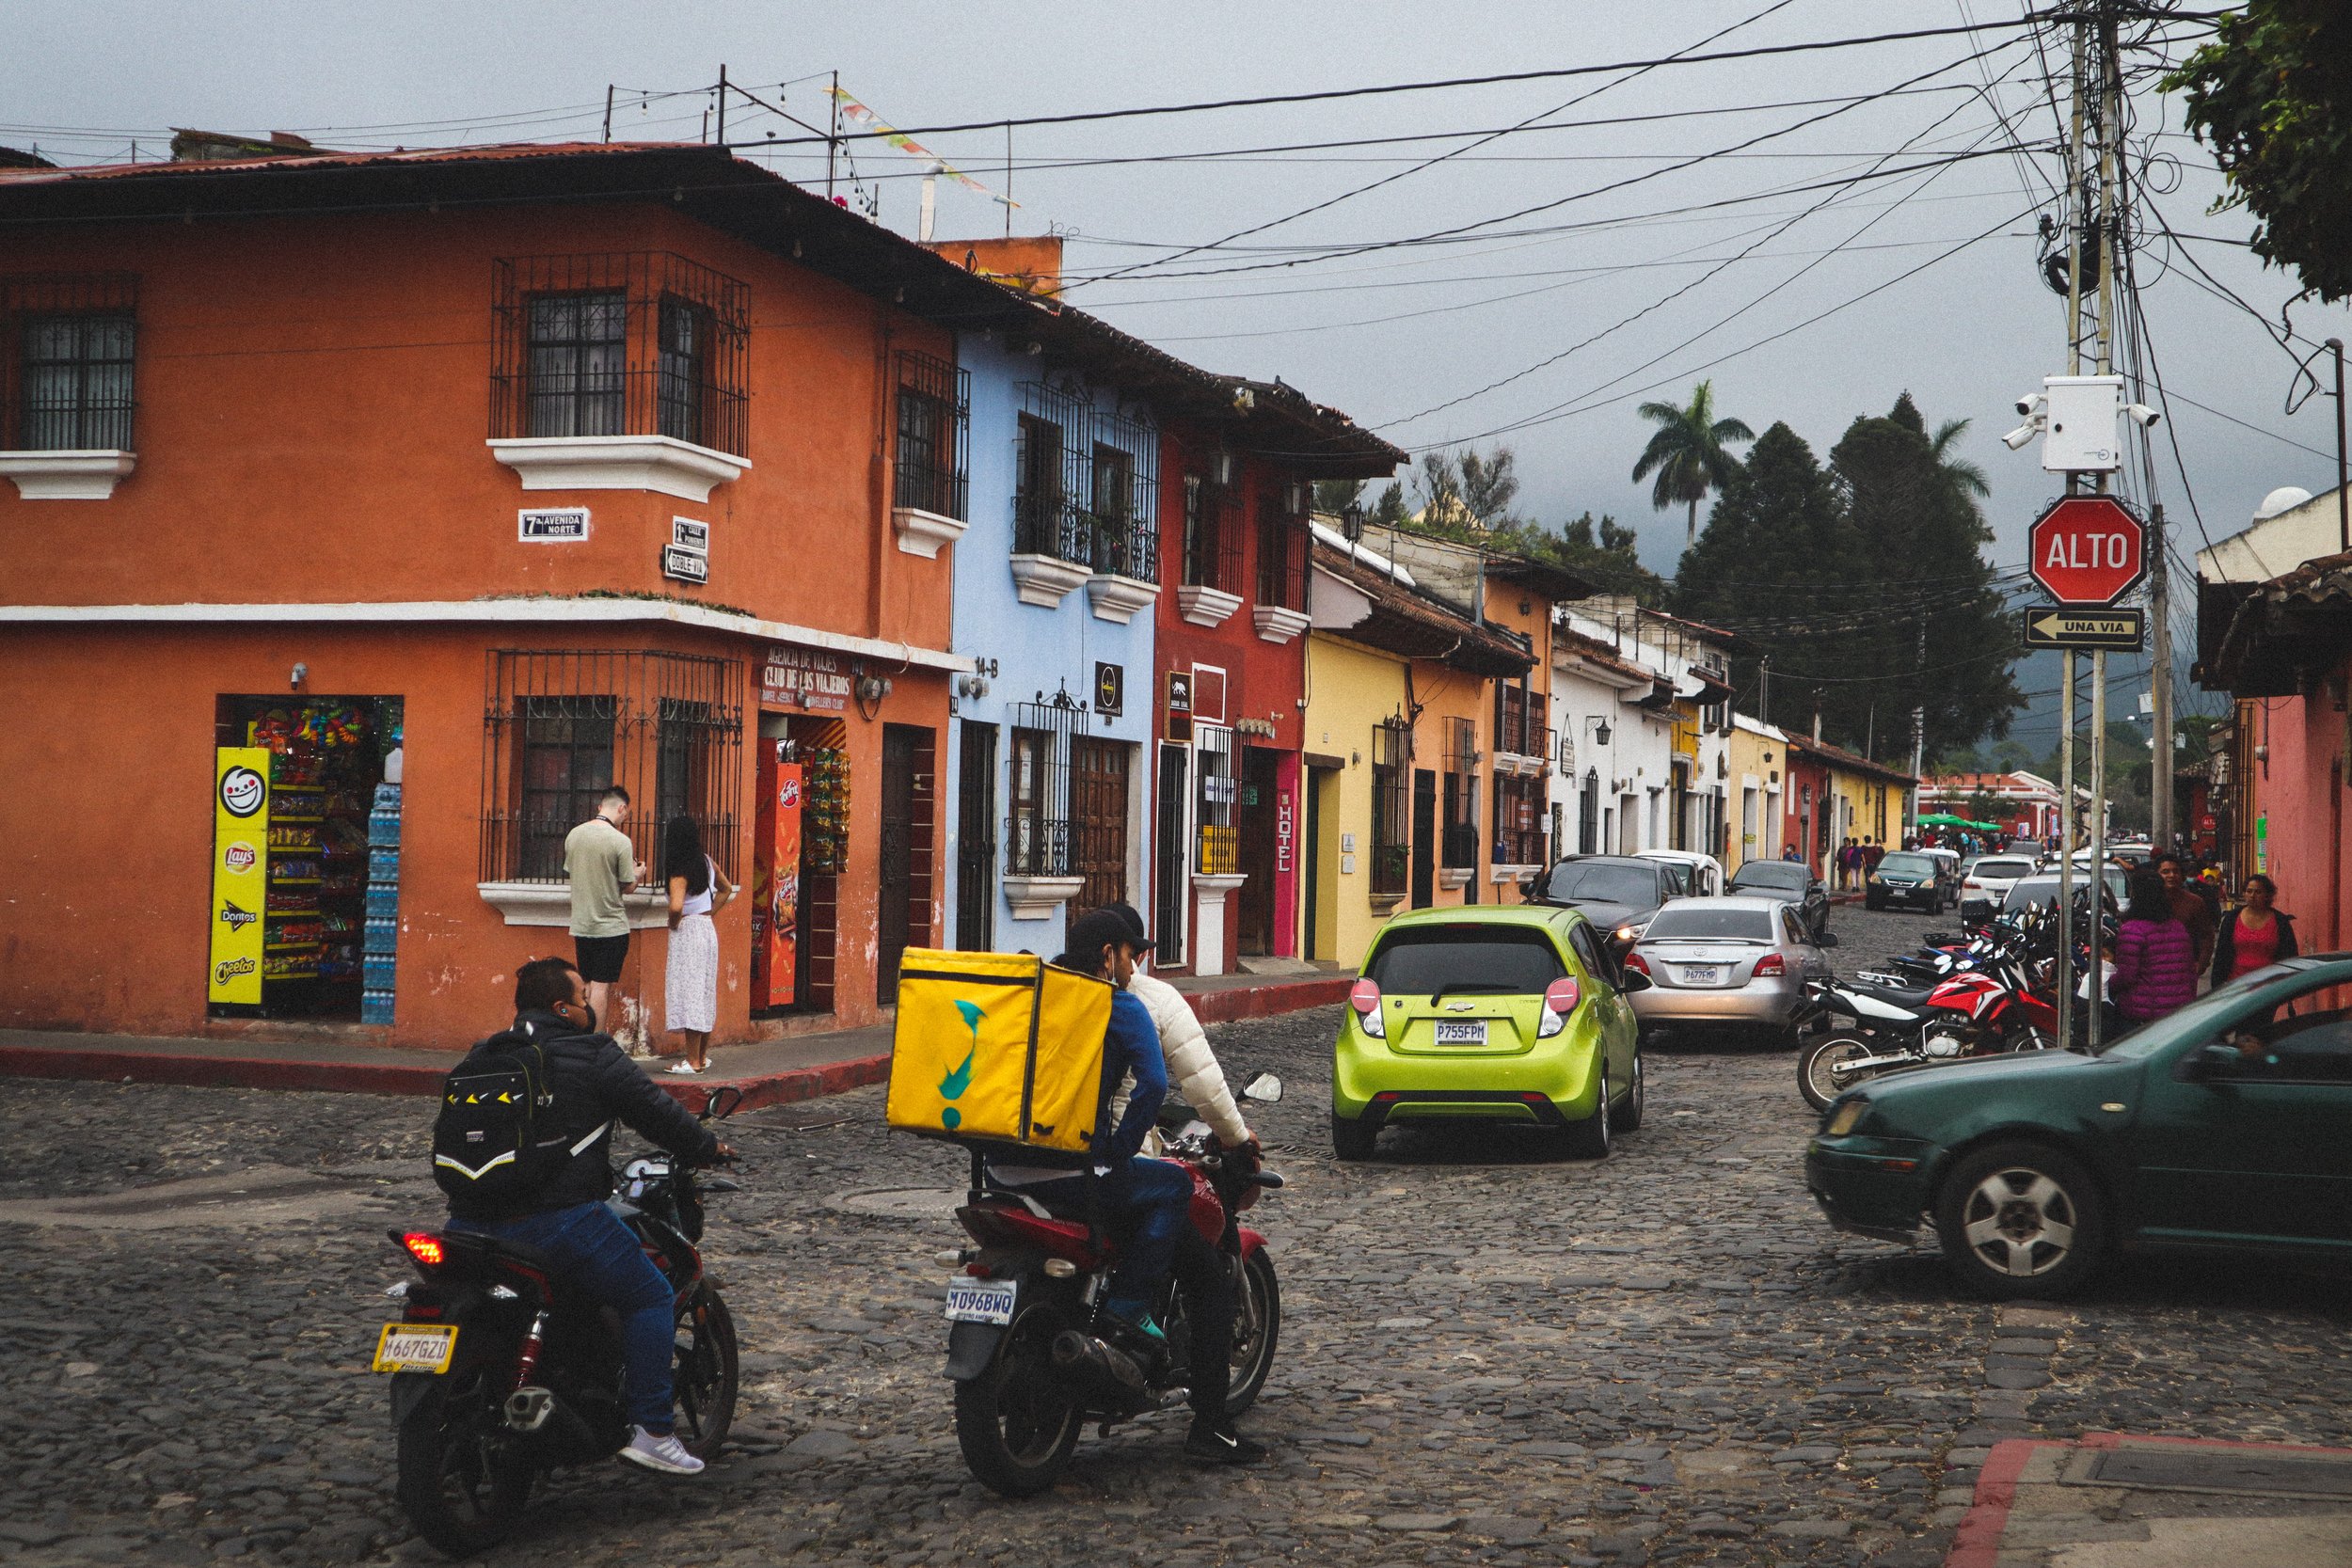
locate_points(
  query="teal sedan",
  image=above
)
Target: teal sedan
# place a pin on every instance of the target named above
(2227, 1126)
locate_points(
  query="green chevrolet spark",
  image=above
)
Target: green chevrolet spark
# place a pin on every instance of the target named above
(2224, 1126)
(1499, 1013)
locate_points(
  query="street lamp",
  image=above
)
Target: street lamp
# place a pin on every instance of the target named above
(1599, 726)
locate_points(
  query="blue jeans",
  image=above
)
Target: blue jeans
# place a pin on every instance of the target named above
(601, 1256)
(1148, 1199)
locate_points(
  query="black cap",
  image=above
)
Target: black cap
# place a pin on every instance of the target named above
(1137, 938)
(1093, 932)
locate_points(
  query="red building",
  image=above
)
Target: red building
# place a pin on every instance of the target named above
(1231, 664)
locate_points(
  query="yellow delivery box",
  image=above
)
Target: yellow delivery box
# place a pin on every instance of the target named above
(998, 1048)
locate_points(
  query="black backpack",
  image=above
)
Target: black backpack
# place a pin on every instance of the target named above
(487, 1151)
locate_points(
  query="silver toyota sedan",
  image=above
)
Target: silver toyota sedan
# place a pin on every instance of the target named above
(1732, 961)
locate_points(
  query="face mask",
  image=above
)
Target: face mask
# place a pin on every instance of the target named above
(581, 1014)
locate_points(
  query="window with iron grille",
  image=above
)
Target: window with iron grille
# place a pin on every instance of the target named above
(1519, 822)
(1125, 496)
(559, 727)
(1052, 484)
(935, 418)
(1212, 536)
(1218, 847)
(1520, 728)
(1281, 553)
(629, 343)
(1037, 826)
(1457, 842)
(70, 342)
(1588, 814)
(1392, 838)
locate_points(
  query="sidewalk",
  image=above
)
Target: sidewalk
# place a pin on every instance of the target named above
(2114, 1500)
(770, 1072)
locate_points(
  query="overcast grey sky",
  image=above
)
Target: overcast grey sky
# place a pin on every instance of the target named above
(1387, 334)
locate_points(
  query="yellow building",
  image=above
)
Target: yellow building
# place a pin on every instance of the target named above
(1758, 756)
(1866, 802)
(1398, 736)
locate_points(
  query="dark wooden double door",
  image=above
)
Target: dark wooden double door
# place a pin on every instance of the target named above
(1098, 794)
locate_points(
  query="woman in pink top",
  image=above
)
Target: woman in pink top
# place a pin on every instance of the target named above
(2156, 957)
(2255, 934)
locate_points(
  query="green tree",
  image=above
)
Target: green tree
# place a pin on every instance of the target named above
(1603, 553)
(2271, 95)
(1765, 565)
(1966, 477)
(1687, 452)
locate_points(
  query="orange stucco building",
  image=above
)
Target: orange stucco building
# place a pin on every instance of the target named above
(495, 475)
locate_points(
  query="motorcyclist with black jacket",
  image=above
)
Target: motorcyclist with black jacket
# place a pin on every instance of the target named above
(592, 1083)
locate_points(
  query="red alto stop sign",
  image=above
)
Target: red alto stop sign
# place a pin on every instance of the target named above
(2087, 549)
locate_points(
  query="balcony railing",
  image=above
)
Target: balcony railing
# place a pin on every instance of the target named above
(1037, 846)
(1520, 847)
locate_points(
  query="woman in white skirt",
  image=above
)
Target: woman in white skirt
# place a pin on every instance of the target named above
(691, 991)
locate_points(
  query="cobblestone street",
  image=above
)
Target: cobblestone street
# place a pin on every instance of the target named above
(1491, 1352)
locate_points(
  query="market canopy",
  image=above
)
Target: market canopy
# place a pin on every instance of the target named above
(1945, 820)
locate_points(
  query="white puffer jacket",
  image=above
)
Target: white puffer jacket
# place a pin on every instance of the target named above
(1192, 1069)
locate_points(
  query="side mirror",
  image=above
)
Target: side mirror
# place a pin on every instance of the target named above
(1265, 1089)
(724, 1102)
(1829, 938)
(1631, 980)
(2213, 1059)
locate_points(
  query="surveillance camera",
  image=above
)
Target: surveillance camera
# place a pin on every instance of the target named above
(2030, 402)
(2015, 441)
(2142, 415)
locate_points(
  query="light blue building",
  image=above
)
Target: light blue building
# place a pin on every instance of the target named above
(1057, 577)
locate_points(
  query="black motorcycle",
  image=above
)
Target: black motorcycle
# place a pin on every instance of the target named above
(500, 1371)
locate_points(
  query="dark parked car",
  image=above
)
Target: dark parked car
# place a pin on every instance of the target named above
(1791, 882)
(2220, 1127)
(1616, 892)
(1908, 877)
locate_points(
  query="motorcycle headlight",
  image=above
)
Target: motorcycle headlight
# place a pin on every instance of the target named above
(1847, 1117)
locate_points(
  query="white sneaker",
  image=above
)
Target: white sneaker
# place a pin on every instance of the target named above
(661, 1451)
(685, 1070)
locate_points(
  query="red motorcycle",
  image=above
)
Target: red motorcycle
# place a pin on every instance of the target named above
(1027, 1347)
(1980, 1012)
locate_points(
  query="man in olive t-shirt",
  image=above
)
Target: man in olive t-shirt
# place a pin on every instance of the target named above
(601, 865)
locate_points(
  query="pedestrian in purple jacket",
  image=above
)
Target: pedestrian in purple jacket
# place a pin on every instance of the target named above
(2155, 956)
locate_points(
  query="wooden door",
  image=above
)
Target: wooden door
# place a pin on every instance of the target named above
(1097, 811)
(1254, 820)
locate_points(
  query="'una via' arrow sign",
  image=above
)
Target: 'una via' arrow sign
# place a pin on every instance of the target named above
(2057, 626)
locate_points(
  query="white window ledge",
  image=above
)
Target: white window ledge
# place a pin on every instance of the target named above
(1045, 580)
(550, 904)
(1277, 625)
(1038, 898)
(1117, 598)
(1519, 765)
(1456, 876)
(1206, 607)
(922, 532)
(662, 464)
(1216, 884)
(1514, 875)
(88, 475)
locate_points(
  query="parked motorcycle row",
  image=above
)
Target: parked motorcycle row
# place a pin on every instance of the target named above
(1985, 994)
(515, 1376)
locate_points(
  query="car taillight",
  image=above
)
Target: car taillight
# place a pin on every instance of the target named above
(1364, 996)
(1560, 1000)
(1771, 963)
(424, 1247)
(1972, 883)
(1636, 963)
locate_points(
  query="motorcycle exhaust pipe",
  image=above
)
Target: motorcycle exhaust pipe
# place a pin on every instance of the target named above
(528, 1409)
(1086, 1357)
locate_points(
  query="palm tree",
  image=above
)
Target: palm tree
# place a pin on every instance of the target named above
(1687, 452)
(1966, 476)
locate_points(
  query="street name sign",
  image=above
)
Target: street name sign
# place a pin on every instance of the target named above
(2059, 627)
(2087, 550)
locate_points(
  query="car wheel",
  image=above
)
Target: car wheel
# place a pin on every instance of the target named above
(2021, 1219)
(1588, 1139)
(1627, 1117)
(1352, 1139)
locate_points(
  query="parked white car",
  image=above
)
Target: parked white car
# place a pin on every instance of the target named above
(1989, 878)
(1702, 874)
